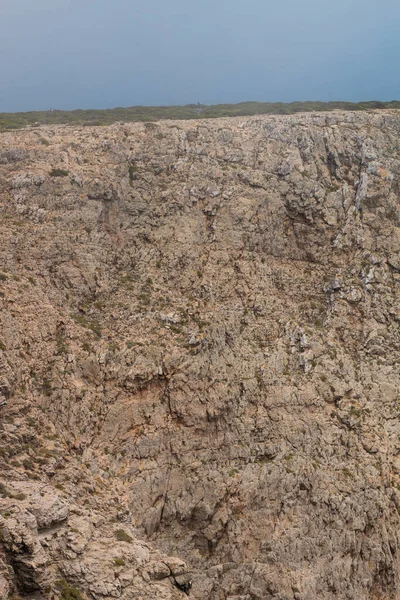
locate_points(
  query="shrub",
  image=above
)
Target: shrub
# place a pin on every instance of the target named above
(68, 592)
(18, 496)
(347, 473)
(144, 299)
(3, 490)
(46, 387)
(119, 562)
(92, 325)
(61, 346)
(59, 173)
(147, 114)
(132, 172)
(122, 536)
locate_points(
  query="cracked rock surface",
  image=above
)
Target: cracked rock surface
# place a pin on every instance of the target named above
(199, 359)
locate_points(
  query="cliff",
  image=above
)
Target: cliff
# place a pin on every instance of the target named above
(199, 359)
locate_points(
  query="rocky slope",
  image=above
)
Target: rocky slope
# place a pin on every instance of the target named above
(199, 359)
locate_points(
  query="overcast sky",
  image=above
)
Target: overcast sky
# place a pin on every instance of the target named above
(104, 53)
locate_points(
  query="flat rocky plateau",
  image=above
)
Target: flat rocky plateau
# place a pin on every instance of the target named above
(199, 359)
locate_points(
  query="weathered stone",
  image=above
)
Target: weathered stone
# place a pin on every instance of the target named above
(199, 355)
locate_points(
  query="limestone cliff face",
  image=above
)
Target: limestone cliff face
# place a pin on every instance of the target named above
(199, 359)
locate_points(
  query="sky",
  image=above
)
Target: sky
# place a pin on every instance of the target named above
(68, 54)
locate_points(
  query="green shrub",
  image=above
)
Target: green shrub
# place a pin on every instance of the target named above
(3, 490)
(61, 346)
(122, 536)
(144, 299)
(68, 592)
(18, 496)
(59, 173)
(91, 118)
(132, 172)
(347, 473)
(46, 387)
(119, 562)
(175, 329)
(85, 322)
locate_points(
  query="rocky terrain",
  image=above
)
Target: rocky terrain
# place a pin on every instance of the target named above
(199, 360)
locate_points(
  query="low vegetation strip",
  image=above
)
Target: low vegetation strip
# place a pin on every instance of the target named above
(190, 111)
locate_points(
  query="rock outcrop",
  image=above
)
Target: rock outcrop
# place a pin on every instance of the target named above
(199, 359)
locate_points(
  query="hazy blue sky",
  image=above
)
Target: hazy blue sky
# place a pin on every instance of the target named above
(104, 53)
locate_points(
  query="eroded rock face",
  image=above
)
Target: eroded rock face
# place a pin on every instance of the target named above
(199, 359)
